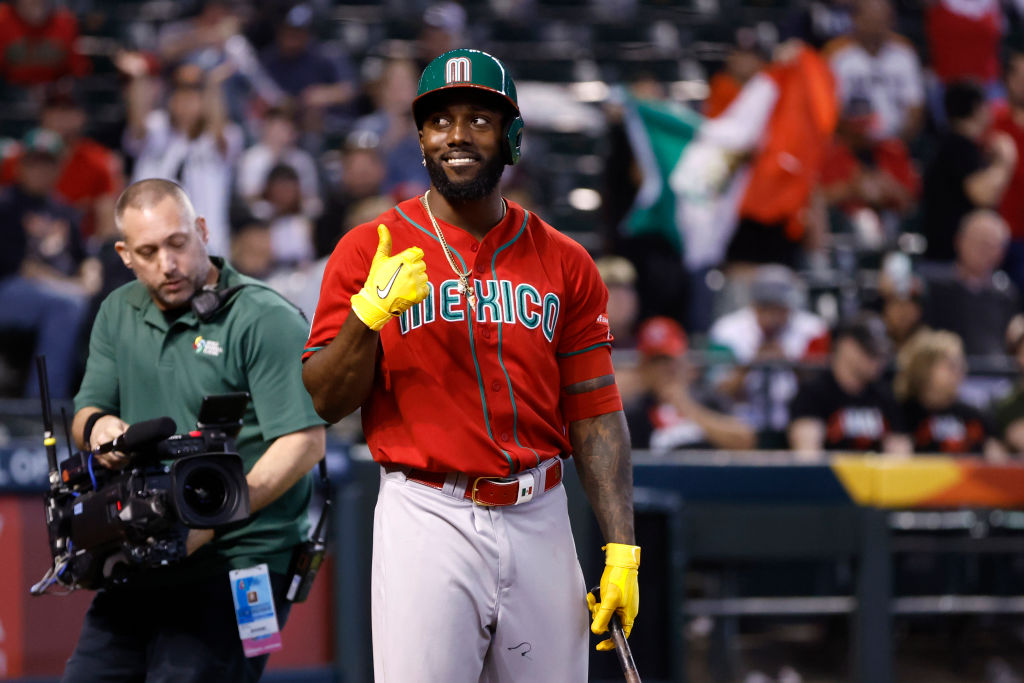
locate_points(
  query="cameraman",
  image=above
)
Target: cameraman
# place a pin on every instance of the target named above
(150, 355)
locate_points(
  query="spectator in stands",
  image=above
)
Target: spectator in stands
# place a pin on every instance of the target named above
(211, 38)
(443, 26)
(280, 206)
(819, 21)
(45, 276)
(191, 141)
(900, 299)
(252, 252)
(619, 276)
(963, 41)
(782, 214)
(1008, 412)
(361, 177)
(1008, 117)
(277, 145)
(322, 81)
(200, 38)
(392, 123)
(976, 301)
(846, 407)
(745, 59)
(875, 63)
(761, 341)
(869, 180)
(971, 169)
(931, 370)
(90, 174)
(666, 415)
(38, 43)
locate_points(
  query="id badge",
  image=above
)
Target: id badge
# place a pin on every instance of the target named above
(254, 610)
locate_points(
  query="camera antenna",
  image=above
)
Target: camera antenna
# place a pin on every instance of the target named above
(49, 442)
(67, 430)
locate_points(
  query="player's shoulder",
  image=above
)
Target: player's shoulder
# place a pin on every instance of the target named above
(552, 241)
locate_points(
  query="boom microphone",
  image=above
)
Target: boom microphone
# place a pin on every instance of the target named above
(141, 434)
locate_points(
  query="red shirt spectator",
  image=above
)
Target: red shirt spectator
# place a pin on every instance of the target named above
(1012, 206)
(844, 167)
(89, 171)
(963, 39)
(37, 45)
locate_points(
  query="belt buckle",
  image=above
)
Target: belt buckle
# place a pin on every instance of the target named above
(476, 485)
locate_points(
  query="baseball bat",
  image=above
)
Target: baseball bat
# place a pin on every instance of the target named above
(621, 644)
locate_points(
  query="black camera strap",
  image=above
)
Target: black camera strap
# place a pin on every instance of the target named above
(310, 555)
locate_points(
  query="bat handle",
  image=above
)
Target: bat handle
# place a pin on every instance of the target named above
(623, 651)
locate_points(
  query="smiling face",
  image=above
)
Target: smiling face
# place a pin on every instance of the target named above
(461, 138)
(167, 250)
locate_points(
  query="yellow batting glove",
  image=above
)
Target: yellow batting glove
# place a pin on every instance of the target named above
(619, 591)
(394, 284)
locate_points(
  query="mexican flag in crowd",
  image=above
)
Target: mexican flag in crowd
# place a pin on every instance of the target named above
(759, 158)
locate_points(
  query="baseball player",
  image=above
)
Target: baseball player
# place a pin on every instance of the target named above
(474, 337)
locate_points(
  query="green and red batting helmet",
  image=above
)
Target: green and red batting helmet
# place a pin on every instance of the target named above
(465, 68)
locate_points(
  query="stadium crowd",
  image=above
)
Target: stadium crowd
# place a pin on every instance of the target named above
(857, 287)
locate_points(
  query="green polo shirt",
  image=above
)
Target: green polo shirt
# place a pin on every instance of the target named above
(141, 366)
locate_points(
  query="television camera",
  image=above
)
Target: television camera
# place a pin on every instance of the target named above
(106, 525)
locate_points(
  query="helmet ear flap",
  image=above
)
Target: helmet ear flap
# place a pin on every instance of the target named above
(514, 140)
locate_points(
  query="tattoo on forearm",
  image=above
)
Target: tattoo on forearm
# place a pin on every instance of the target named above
(603, 461)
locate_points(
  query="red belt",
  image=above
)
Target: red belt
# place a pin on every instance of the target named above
(495, 491)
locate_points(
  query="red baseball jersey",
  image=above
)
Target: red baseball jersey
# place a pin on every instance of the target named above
(475, 391)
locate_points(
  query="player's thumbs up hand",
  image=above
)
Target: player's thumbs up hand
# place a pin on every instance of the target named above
(383, 244)
(393, 285)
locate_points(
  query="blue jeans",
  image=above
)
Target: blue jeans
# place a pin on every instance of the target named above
(56, 318)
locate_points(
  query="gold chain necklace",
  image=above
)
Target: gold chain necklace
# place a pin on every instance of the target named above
(464, 288)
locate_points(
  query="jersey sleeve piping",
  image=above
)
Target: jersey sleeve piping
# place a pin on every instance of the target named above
(567, 354)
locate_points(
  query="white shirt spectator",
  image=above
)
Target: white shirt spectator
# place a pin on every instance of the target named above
(200, 166)
(891, 80)
(768, 391)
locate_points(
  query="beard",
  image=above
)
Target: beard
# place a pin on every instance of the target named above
(475, 188)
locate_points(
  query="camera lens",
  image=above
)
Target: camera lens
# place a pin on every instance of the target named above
(209, 490)
(205, 491)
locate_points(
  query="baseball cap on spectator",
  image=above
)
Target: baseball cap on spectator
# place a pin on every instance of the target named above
(661, 336)
(40, 143)
(361, 139)
(299, 16)
(774, 285)
(447, 16)
(616, 271)
(868, 330)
